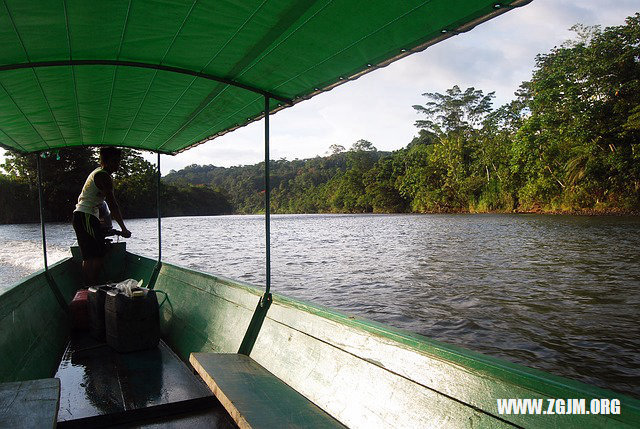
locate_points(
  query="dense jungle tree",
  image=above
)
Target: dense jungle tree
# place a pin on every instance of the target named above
(64, 172)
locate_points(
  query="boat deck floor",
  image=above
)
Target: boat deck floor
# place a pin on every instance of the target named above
(151, 388)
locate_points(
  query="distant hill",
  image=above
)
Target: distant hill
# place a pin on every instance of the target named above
(296, 185)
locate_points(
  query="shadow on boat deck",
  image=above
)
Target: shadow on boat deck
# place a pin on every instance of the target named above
(151, 388)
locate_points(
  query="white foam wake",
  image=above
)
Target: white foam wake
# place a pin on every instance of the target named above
(21, 258)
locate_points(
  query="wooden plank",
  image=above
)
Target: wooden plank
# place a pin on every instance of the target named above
(359, 392)
(202, 314)
(204, 419)
(335, 360)
(136, 417)
(254, 397)
(29, 404)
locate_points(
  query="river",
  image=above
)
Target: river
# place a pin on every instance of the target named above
(557, 293)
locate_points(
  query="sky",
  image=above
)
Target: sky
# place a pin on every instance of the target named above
(497, 55)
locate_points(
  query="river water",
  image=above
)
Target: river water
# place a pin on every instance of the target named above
(558, 293)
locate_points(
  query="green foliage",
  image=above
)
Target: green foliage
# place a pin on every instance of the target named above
(580, 136)
(454, 112)
(64, 173)
(568, 142)
(136, 191)
(335, 183)
(17, 202)
(380, 182)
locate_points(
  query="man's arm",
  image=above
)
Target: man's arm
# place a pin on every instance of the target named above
(104, 182)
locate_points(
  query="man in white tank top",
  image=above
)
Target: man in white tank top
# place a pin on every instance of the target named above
(97, 189)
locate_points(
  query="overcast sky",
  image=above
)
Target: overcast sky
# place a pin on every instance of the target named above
(495, 56)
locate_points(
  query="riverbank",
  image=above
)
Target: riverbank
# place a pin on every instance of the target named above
(602, 211)
(536, 210)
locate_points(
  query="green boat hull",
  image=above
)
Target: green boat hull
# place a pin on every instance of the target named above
(362, 373)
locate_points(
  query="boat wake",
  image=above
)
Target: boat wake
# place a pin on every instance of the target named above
(19, 259)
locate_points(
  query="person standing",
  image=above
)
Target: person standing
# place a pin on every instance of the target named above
(97, 189)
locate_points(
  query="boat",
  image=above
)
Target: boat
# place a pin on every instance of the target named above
(166, 76)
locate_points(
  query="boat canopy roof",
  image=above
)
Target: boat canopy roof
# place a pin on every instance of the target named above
(165, 75)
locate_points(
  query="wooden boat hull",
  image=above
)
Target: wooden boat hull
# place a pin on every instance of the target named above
(362, 373)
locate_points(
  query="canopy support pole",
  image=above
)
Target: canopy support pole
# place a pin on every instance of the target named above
(52, 284)
(159, 214)
(267, 197)
(251, 335)
(156, 269)
(41, 210)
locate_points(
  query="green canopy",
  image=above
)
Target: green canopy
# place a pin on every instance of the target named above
(165, 75)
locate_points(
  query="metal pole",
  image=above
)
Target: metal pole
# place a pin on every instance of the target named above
(159, 214)
(47, 275)
(257, 319)
(267, 194)
(41, 206)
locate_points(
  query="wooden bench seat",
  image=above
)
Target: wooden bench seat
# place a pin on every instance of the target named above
(29, 404)
(254, 397)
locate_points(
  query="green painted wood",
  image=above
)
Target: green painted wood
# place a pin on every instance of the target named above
(256, 324)
(29, 404)
(62, 272)
(68, 279)
(56, 292)
(33, 327)
(360, 393)
(361, 372)
(334, 359)
(202, 312)
(139, 267)
(254, 397)
(373, 364)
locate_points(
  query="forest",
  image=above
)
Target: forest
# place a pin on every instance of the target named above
(64, 172)
(569, 142)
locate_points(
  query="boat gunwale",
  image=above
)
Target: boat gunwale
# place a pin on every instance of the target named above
(465, 359)
(13, 287)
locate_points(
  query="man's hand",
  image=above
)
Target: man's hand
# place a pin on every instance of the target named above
(125, 233)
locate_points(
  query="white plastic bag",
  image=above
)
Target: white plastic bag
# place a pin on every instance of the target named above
(128, 285)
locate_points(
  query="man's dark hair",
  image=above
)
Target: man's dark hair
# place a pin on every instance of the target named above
(109, 153)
